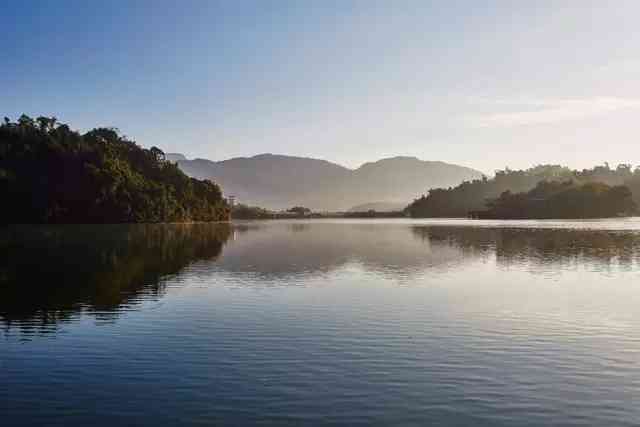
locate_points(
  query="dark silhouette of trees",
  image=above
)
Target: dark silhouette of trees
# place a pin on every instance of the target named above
(299, 211)
(554, 199)
(52, 174)
(241, 211)
(473, 195)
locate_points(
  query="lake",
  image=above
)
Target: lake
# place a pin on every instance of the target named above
(321, 322)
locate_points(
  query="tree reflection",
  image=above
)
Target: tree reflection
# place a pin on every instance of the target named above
(49, 274)
(540, 246)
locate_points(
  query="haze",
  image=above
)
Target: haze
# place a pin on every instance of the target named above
(481, 84)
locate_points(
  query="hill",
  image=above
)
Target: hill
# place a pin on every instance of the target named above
(473, 195)
(52, 174)
(561, 200)
(278, 182)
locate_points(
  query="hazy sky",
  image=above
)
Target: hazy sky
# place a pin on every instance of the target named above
(483, 84)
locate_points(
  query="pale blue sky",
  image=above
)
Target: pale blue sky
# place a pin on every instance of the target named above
(484, 84)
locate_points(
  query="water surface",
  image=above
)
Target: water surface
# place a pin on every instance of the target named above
(394, 322)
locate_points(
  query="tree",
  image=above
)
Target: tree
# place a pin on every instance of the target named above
(299, 210)
(473, 195)
(51, 173)
(562, 200)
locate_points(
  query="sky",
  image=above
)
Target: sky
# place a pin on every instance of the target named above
(485, 84)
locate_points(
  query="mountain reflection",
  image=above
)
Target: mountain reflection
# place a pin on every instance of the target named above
(49, 274)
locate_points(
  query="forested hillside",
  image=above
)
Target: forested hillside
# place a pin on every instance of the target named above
(474, 195)
(555, 199)
(52, 174)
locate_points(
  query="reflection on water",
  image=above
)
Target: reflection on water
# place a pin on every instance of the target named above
(322, 323)
(48, 274)
(403, 250)
(543, 247)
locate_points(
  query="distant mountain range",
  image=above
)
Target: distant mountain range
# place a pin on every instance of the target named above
(277, 181)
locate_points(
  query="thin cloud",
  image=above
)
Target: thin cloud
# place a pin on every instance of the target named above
(627, 65)
(553, 111)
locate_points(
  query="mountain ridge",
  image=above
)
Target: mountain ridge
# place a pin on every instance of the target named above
(278, 181)
(182, 157)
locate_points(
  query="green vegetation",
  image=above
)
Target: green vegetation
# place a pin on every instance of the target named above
(561, 200)
(474, 195)
(241, 211)
(299, 211)
(52, 174)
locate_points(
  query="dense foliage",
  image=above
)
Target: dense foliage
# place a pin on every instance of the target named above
(299, 211)
(52, 174)
(241, 211)
(554, 199)
(474, 195)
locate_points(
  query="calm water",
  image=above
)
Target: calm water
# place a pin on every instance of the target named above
(321, 323)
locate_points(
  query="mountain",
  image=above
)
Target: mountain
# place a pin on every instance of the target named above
(277, 181)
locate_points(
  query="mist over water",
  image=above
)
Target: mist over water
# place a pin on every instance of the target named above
(382, 322)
